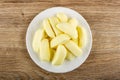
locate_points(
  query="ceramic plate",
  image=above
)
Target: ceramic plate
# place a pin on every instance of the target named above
(68, 65)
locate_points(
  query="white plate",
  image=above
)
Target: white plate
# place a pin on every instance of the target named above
(68, 65)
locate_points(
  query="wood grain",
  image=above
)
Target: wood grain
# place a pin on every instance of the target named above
(103, 17)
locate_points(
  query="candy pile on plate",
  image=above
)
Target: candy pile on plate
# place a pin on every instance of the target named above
(59, 38)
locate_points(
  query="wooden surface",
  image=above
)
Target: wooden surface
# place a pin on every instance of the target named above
(103, 17)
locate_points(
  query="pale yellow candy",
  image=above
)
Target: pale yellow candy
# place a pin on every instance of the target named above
(73, 22)
(44, 53)
(62, 17)
(48, 28)
(39, 34)
(68, 29)
(73, 47)
(54, 21)
(82, 36)
(70, 56)
(60, 39)
(60, 55)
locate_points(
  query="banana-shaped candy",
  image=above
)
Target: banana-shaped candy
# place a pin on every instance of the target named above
(54, 21)
(39, 34)
(60, 55)
(82, 36)
(62, 38)
(68, 29)
(48, 28)
(73, 47)
(44, 53)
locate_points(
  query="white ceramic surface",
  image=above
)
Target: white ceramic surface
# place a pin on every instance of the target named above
(68, 65)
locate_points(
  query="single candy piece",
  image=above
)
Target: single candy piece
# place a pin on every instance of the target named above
(62, 38)
(60, 55)
(62, 17)
(39, 34)
(82, 36)
(71, 46)
(68, 29)
(54, 21)
(44, 50)
(48, 28)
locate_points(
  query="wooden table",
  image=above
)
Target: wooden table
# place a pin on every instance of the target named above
(103, 17)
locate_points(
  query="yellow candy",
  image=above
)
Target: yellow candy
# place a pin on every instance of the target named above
(59, 40)
(44, 53)
(82, 37)
(68, 29)
(71, 46)
(48, 28)
(59, 56)
(54, 21)
(39, 34)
